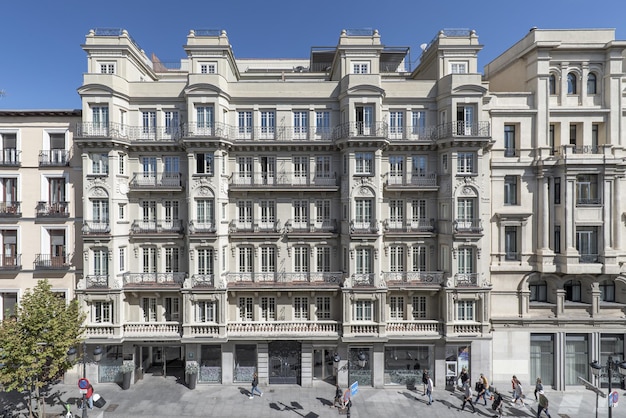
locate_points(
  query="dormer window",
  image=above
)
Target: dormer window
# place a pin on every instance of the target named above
(360, 67)
(208, 68)
(458, 68)
(107, 68)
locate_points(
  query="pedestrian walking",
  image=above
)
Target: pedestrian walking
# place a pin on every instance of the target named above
(255, 386)
(467, 396)
(497, 404)
(463, 377)
(429, 390)
(518, 391)
(480, 391)
(425, 377)
(486, 384)
(543, 404)
(338, 393)
(538, 386)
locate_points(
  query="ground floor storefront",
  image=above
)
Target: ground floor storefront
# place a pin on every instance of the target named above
(373, 364)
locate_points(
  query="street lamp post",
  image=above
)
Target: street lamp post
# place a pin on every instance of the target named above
(97, 355)
(611, 366)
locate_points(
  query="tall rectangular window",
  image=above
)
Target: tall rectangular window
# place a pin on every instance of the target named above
(300, 123)
(204, 163)
(396, 123)
(100, 164)
(396, 259)
(205, 212)
(419, 307)
(172, 260)
(172, 121)
(300, 213)
(419, 258)
(246, 309)
(149, 259)
(301, 308)
(322, 124)
(268, 259)
(204, 261)
(206, 311)
(587, 189)
(418, 122)
(576, 358)
(204, 117)
(268, 123)
(268, 213)
(419, 166)
(363, 310)
(301, 259)
(465, 310)
(363, 213)
(465, 162)
(551, 137)
(557, 239)
(172, 308)
(122, 259)
(322, 303)
(102, 312)
(364, 263)
(268, 308)
(149, 306)
(542, 357)
(510, 190)
(511, 252)
(244, 119)
(509, 140)
(323, 259)
(557, 190)
(396, 169)
(245, 259)
(148, 122)
(396, 308)
(323, 167)
(364, 162)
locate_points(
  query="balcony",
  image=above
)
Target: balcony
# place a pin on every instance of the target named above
(202, 227)
(11, 262)
(466, 279)
(316, 278)
(268, 133)
(413, 328)
(254, 225)
(153, 180)
(413, 226)
(361, 130)
(127, 132)
(304, 329)
(154, 330)
(52, 262)
(10, 157)
(293, 227)
(362, 280)
(157, 226)
(460, 129)
(96, 227)
(412, 182)
(10, 209)
(54, 158)
(202, 280)
(411, 133)
(97, 281)
(53, 209)
(364, 227)
(413, 278)
(245, 180)
(468, 226)
(154, 279)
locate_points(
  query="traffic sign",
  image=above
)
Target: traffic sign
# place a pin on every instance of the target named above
(354, 388)
(613, 398)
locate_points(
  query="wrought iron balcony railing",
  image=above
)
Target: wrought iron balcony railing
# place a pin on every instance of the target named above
(414, 277)
(154, 180)
(241, 179)
(54, 158)
(10, 209)
(417, 225)
(11, 262)
(10, 157)
(466, 279)
(128, 132)
(473, 226)
(53, 262)
(157, 226)
(461, 128)
(53, 209)
(96, 227)
(412, 180)
(201, 226)
(285, 277)
(253, 225)
(364, 227)
(361, 129)
(154, 279)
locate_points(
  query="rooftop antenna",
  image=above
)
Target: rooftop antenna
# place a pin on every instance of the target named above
(423, 47)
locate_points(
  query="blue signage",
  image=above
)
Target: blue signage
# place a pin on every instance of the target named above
(354, 388)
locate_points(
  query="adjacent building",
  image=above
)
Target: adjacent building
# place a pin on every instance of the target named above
(339, 218)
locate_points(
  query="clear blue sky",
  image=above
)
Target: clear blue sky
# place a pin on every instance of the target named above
(42, 61)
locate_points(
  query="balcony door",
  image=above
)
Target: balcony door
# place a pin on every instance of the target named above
(9, 248)
(364, 120)
(57, 248)
(465, 120)
(268, 169)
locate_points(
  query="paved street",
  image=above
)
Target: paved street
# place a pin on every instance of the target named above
(159, 397)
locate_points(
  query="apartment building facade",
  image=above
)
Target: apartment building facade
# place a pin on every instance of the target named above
(40, 212)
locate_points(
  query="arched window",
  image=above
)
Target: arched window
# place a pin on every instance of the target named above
(607, 291)
(572, 291)
(552, 84)
(591, 84)
(538, 291)
(571, 83)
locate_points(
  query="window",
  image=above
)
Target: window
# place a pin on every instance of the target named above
(607, 291)
(148, 122)
(465, 162)
(100, 118)
(301, 259)
(364, 162)
(268, 259)
(360, 68)
(419, 258)
(300, 214)
(172, 121)
(465, 265)
(363, 310)
(244, 167)
(300, 170)
(509, 140)
(587, 189)
(557, 190)
(245, 259)
(444, 163)
(418, 122)
(206, 311)
(8, 304)
(322, 213)
(121, 211)
(364, 120)
(322, 305)
(107, 68)
(587, 243)
(396, 308)
(396, 169)
(396, 214)
(465, 209)
(149, 259)
(149, 306)
(122, 259)
(244, 209)
(465, 310)
(102, 312)
(57, 247)
(396, 259)
(591, 84)
(572, 134)
(538, 292)
(322, 124)
(205, 261)
(510, 190)
(364, 260)
(419, 307)
(458, 67)
(268, 308)
(268, 123)
(204, 163)
(323, 259)
(204, 213)
(363, 215)
(557, 239)
(301, 308)
(552, 84)
(268, 214)
(595, 129)
(511, 236)
(245, 308)
(419, 166)
(121, 166)
(100, 262)
(204, 119)
(572, 291)
(10, 154)
(172, 258)
(571, 83)
(245, 124)
(100, 164)
(208, 68)
(172, 308)
(551, 139)
(396, 124)
(300, 124)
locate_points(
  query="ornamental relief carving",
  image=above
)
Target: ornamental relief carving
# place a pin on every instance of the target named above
(98, 191)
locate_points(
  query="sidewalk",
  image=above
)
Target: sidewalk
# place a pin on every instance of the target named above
(163, 398)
